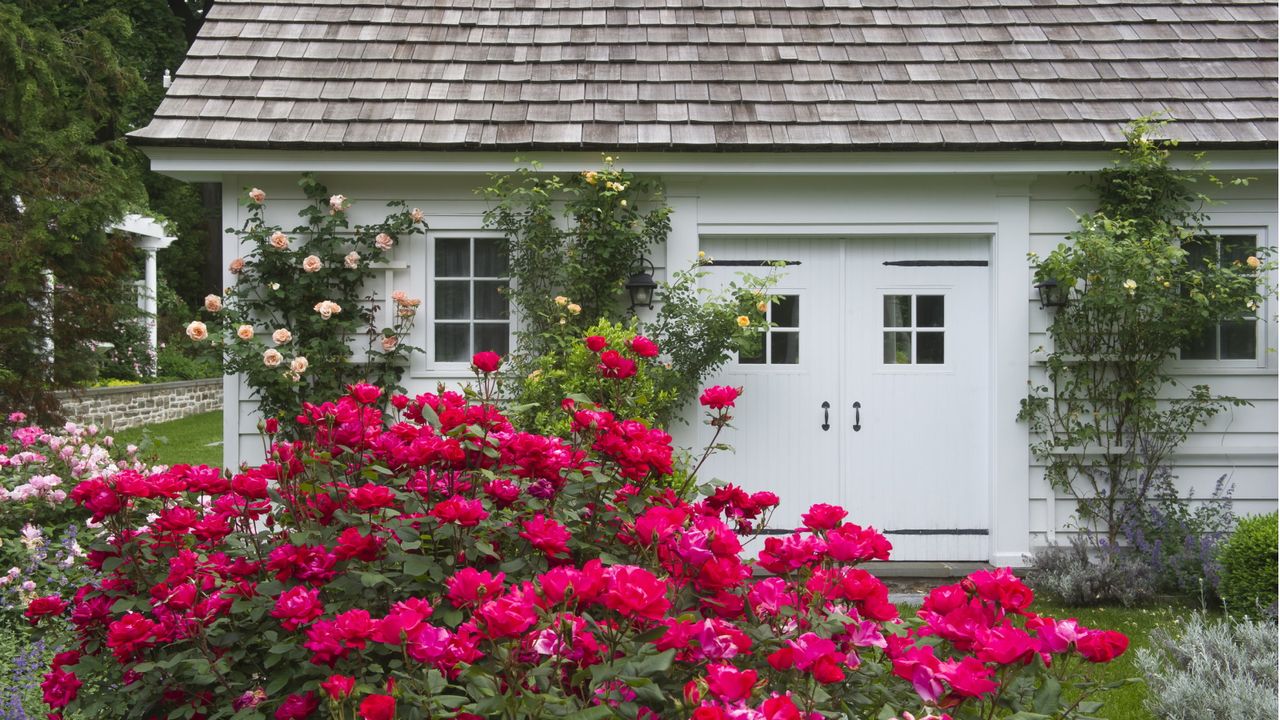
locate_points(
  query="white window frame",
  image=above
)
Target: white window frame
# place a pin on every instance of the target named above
(436, 368)
(1261, 324)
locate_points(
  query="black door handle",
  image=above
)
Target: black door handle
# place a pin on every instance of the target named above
(826, 416)
(857, 416)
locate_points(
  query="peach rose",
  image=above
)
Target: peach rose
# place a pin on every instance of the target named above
(352, 260)
(574, 308)
(416, 215)
(1253, 262)
(272, 357)
(257, 195)
(298, 365)
(384, 242)
(327, 308)
(337, 203)
(245, 332)
(212, 303)
(197, 331)
(399, 296)
(281, 336)
(279, 240)
(311, 264)
(389, 343)
(237, 266)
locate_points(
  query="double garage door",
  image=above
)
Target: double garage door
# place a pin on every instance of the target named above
(872, 388)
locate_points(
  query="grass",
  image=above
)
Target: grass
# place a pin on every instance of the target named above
(195, 440)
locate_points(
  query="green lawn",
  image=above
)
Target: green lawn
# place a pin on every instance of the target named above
(194, 440)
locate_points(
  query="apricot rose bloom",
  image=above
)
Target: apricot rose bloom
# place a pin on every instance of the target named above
(272, 358)
(416, 215)
(197, 330)
(352, 260)
(279, 240)
(257, 195)
(245, 332)
(337, 203)
(384, 242)
(281, 336)
(237, 266)
(1253, 262)
(743, 321)
(299, 365)
(212, 303)
(311, 264)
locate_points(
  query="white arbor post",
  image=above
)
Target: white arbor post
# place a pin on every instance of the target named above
(149, 237)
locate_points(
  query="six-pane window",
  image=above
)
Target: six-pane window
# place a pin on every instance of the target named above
(1231, 338)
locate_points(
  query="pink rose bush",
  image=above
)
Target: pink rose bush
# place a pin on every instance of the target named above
(431, 560)
(41, 550)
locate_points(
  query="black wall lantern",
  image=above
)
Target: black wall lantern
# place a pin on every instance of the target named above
(1052, 294)
(641, 285)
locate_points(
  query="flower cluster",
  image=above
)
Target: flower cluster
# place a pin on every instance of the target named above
(432, 560)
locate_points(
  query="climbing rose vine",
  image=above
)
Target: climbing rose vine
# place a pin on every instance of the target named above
(432, 561)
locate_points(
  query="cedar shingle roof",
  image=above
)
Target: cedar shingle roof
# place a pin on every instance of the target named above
(720, 74)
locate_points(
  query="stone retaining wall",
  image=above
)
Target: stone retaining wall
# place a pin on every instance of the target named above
(120, 408)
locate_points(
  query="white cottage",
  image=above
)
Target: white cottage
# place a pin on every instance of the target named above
(903, 156)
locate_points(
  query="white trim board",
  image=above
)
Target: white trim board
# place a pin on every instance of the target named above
(209, 163)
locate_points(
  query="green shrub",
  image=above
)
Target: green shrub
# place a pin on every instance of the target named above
(1249, 566)
(175, 363)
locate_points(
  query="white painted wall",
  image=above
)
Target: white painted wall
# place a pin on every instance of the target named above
(1006, 201)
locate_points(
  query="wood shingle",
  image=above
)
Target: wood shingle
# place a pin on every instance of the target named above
(721, 74)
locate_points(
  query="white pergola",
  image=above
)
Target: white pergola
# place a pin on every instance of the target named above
(149, 236)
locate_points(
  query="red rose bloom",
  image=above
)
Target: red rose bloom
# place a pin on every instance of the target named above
(297, 607)
(719, 397)
(1101, 646)
(364, 393)
(548, 536)
(823, 517)
(486, 362)
(339, 687)
(614, 365)
(595, 343)
(635, 592)
(378, 707)
(297, 707)
(43, 607)
(643, 346)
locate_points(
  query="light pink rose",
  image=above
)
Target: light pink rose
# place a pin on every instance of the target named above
(279, 240)
(237, 266)
(312, 264)
(399, 296)
(212, 303)
(272, 358)
(298, 365)
(384, 242)
(245, 332)
(352, 260)
(416, 214)
(257, 195)
(389, 343)
(281, 336)
(337, 203)
(197, 331)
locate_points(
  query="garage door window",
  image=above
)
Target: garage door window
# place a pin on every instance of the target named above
(914, 330)
(781, 344)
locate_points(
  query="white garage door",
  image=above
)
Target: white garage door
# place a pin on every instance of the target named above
(872, 389)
